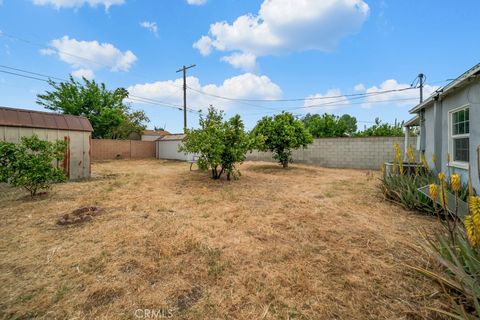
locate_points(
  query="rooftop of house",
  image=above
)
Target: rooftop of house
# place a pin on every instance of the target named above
(160, 133)
(14, 117)
(172, 136)
(457, 83)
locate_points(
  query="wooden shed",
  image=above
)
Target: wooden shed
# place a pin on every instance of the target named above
(74, 130)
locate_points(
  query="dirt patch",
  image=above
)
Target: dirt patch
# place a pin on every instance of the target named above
(301, 243)
(101, 297)
(188, 299)
(79, 215)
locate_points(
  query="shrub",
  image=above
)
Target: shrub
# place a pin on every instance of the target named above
(380, 129)
(30, 164)
(220, 144)
(401, 185)
(457, 251)
(403, 189)
(281, 134)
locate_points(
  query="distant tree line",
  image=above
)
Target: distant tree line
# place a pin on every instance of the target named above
(329, 125)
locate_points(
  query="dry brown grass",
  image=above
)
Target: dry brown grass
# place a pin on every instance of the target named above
(302, 243)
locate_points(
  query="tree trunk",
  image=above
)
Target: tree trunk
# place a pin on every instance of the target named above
(285, 164)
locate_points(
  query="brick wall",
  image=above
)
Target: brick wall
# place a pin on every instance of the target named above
(105, 149)
(357, 153)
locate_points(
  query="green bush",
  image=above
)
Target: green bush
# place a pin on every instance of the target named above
(403, 189)
(457, 252)
(30, 164)
(219, 144)
(460, 277)
(281, 134)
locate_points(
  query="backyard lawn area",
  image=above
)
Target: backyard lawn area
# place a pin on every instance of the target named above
(301, 243)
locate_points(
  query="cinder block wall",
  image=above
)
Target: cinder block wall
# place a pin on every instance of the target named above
(106, 149)
(356, 153)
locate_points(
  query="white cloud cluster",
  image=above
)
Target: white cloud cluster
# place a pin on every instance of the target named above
(401, 98)
(330, 100)
(196, 2)
(283, 26)
(244, 61)
(398, 94)
(78, 3)
(244, 86)
(90, 55)
(152, 26)
(83, 73)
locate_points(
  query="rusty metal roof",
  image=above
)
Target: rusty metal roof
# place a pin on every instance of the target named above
(13, 117)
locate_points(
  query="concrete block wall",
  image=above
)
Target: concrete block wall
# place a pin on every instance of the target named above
(106, 149)
(356, 153)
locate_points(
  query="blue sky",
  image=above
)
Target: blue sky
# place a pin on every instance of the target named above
(263, 50)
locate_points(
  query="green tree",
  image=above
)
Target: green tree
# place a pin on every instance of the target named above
(350, 124)
(220, 144)
(109, 115)
(329, 125)
(281, 134)
(380, 129)
(29, 164)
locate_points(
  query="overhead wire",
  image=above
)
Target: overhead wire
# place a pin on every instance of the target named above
(137, 98)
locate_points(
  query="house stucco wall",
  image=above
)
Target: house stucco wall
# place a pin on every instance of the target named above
(438, 131)
(79, 145)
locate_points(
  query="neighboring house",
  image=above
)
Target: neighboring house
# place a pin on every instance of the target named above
(152, 135)
(167, 148)
(76, 131)
(449, 123)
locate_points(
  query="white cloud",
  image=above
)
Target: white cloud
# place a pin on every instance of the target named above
(244, 86)
(196, 2)
(244, 61)
(204, 45)
(283, 26)
(83, 73)
(152, 26)
(401, 98)
(78, 3)
(331, 100)
(47, 52)
(90, 54)
(359, 87)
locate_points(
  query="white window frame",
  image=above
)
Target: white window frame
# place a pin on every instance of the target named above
(453, 163)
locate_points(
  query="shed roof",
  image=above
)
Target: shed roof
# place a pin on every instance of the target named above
(172, 136)
(13, 117)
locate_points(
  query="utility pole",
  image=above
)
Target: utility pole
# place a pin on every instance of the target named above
(184, 70)
(421, 78)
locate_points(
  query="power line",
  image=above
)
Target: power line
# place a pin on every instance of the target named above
(30, 72)
(341, 105)
(302, 99)
(22, 75)
(136, 98)
(36, 44)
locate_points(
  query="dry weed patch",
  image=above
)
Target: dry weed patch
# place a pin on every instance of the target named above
(300, 243)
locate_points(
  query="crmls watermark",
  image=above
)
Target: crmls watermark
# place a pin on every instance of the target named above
(153, 313)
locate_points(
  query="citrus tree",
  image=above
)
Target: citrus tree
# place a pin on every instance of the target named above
(219, 144)
(281, 134)
(29, 164)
